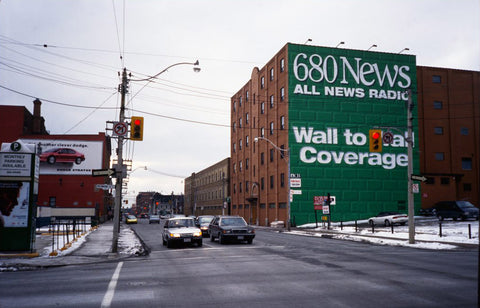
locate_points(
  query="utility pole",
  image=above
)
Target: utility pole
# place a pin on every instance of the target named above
(411, 205)
(119, 170)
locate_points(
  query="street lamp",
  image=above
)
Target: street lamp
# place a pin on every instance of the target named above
(371, 47)
(287, 151)
(123, 89)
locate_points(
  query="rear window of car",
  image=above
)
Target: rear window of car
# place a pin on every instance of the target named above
(179, 223)
(237, 221)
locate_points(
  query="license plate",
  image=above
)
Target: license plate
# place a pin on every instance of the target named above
(187, 240)
(240, 237)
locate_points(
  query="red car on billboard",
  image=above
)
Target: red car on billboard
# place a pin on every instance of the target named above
(62, 155)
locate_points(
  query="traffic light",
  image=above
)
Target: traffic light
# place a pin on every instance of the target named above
(375, 138)
(136, 128)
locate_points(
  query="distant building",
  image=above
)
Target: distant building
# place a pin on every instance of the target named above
(207, 192)
(156, 203)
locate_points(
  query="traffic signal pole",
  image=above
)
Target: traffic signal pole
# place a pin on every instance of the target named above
(411, 205)
(119, 169)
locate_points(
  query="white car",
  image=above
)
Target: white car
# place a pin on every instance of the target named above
(181, 230)
(388, 219)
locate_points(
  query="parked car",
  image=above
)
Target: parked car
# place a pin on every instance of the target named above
(428, 212)
(181, 230)
(203, 222)
(456, 210)
(154, 219)
(131, 219)
(62, 155)
(388, 219)
(230, 228)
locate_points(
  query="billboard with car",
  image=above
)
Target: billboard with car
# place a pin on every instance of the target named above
(68, 157)
(336, 97)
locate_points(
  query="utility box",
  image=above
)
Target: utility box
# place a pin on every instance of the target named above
(19, 173)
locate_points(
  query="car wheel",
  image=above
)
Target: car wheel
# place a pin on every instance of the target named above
(221, 239)
(169, 244)
(51, 160)
(403, 223)
(78, 160)
(211, 237)
(370, 222)
(250, 241)
(387, 223)
(200, 243)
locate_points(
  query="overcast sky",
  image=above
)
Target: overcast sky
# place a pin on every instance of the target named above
(85, 40)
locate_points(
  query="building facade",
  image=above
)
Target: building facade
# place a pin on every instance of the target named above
(301, 128)
(65, 181)
(207, 192)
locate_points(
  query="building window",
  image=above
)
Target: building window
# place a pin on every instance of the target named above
(271, 128)
(262, 132)
(271, 101)
(271, 74)
(246, 96)
(234, 188)
(282, 179)
(467, 187)
(247, 141)
(262, 158)
(234, 126)
(262, 82)
(282, 205)
(240, 123)
(52, 201)
(234, 168)
(247, 183)
(262, 108)
(240, 166)
(282, 122)
(466, 163)
(436, 79)
(240, 187)
(439, 156)
(234, 106)
(444, 181)
(262, 183)
(438, 130)
(271, 205)
(282, 94)
(240, 144)
(271, 181)
(247, 162)
(272, 152)
(240, 101)
(282, 151)
(437, 105)
(464, 131)
(254, 168)
(282, 65)
(247, 118)
(234, 147)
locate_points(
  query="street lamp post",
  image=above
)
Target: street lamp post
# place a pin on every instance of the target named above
(287, 151)
(123, 89)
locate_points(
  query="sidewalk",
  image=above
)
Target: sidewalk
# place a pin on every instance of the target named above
(94, 247)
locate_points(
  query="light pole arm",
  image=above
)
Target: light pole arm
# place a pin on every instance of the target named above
(196, 63)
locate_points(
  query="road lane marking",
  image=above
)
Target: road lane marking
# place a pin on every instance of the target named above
(107, 299)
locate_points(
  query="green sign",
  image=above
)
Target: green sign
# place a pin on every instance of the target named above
(336, 96)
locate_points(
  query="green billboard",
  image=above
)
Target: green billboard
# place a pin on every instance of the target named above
(336, 97)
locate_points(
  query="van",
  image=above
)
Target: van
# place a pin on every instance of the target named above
(456, 210)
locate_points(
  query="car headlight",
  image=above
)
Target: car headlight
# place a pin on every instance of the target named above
(204, 228)
(226, 231)
(174, 235)
(197, 234)
(251, 231)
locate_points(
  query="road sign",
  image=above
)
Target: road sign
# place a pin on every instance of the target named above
(104, 186)
(103, 172)
(387, 138)
(120, 129)
(418, 178)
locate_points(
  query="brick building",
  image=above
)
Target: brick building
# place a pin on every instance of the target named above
(62, 184)
(346, 93)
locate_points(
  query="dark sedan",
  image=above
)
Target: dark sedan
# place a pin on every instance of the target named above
(230, 228)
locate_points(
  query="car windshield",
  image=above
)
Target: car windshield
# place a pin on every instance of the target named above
(237, 221)
(465, 204)
(205, 220)
(181, 223)
(154, 216)
(131, 217)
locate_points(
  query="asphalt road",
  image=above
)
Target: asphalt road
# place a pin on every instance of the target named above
(277, 270)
